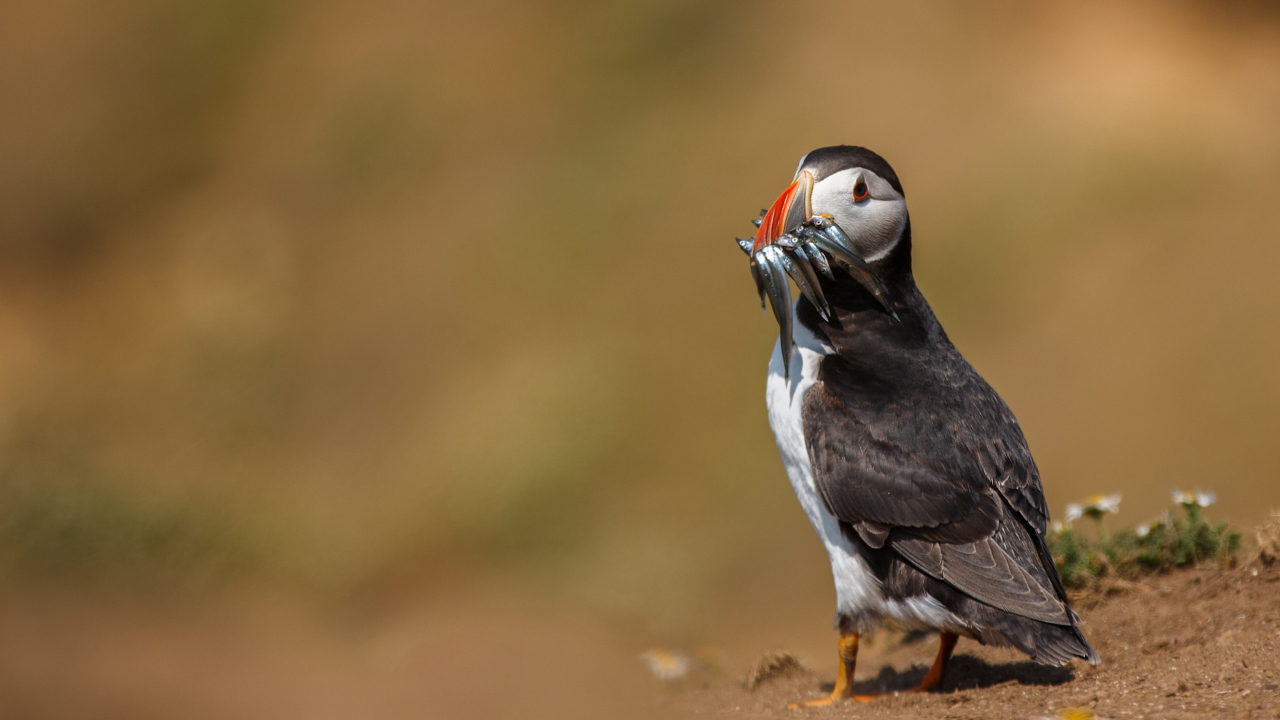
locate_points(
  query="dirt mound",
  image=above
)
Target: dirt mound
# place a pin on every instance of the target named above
(1202, 643)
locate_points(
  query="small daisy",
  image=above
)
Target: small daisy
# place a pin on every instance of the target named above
(1057, 528)
(1196, 499)
(1095, 507)
(666, 664)
(1144, 529)
(1098, 505)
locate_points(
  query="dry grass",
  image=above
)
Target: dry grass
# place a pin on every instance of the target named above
(1268, 539)
(774, 665)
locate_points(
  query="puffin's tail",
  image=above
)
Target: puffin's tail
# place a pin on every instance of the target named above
(1043, 642)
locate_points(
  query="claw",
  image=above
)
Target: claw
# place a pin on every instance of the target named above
(832, 239)
(799, 270)
(745, 245)
(775, 281)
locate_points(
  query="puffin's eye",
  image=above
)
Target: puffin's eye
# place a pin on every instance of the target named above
(860, 191)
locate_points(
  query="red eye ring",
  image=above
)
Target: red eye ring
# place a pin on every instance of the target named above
(860, 191)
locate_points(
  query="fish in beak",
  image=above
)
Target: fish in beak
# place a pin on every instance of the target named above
(790, 242)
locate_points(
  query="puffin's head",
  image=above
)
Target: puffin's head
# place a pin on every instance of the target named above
(846, 203)
(851, 185)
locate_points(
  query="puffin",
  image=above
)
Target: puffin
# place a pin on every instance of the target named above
(913, 472)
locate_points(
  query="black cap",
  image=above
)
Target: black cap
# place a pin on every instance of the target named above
(827, 161)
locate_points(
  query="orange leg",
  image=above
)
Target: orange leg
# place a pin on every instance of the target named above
(848, 653)
(946, 644)
(849, 658)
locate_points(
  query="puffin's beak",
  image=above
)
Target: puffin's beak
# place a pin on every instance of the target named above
(788, 212)
(770, 265)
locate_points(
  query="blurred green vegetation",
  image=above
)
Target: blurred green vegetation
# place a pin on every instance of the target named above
(67, 523)
(1132, 552)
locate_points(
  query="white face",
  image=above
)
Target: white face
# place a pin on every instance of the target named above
(866, 207)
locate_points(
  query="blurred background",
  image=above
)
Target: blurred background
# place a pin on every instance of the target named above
(395, 359)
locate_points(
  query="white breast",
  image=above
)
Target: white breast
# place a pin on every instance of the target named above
(858, 592)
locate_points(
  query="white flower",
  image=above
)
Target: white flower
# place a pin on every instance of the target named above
(1094, 506)
(1144, 529)
(1196, 499)
(666, 664)
(1057, 528)
(1103, 503)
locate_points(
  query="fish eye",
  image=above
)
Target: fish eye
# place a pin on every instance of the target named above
(860, 191)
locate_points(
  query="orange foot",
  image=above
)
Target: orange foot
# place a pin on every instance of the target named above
(848, 659)
(848, 653)
(833, 700)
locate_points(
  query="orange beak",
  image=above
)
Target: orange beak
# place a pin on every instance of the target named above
(789, 211)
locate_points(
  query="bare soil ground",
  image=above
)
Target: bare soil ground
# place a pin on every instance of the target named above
(1202, 643)
(1191, 644)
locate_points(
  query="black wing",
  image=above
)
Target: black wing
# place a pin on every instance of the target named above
(926, 457)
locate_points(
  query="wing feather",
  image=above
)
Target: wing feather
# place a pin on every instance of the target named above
(934, 461)
(1003, 571)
